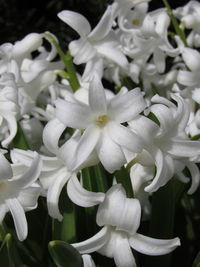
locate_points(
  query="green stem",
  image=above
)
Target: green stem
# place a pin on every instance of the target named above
(65, 230)
(123, 177)
(177, 28)
(69, 65)
(100, 178)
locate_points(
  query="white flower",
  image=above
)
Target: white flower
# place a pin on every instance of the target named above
(56, 170)
(191, 78)
(99, 42)
(152, 39)
(189, 15)
(9, 109)
(88, 261)
(102, 123)
(168, 142)
(120, 218)
(19, 192)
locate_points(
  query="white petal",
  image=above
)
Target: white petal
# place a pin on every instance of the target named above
(123, 255)
(123, 108)
(50, 163)
(183, 148)
(195, 176)
(54, 191)
(108, 48)
(88, 261)
(109, 247)
(18, 217)
(162, 23)
(12, 126)
(188, 78)
(94, 243)
(164, 115)
(164, 171)
(110, 210)
(162, 100)
(124, 137)
(105, 24)
(31, 175)
(27, 45)
(86, 145)
(152, 246)
(110, 153)
(75, 115)
(182, 113)
(28, 197)
(52, 133)
(81, 196)
(25, 157)
(75, 20)
(191, 58)
(85, 52)
(130, 216)
(5, 168)
(145, 128)
(97, 97)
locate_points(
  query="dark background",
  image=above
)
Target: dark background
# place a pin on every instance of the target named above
(18, 17)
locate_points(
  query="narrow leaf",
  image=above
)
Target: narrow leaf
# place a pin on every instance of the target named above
(64, 254)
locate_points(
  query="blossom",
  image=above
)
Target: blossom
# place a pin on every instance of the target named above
(19, 191)
(56, 170)
(190, 78)
(9, 108)
(168, 142)
(102, 121)
(120, 218)
(99, 42)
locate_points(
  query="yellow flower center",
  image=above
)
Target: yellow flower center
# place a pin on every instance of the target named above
(102, 120)
(136, 22)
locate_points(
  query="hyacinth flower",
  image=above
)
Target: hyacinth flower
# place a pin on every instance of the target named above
(9, 108)
(120, 218)
(57, 168)
(102, 121)
(168, 143)
(100, 42)
(19, 191)
(190, 78)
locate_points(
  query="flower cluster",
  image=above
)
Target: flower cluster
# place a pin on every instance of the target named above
(147, 123)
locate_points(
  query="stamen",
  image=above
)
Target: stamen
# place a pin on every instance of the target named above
(102, 120)
(136, 22)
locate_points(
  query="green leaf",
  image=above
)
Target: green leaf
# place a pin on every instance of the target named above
(64, 255)
(8, 253)
(196, 262)
(20, 140)
(122, 176)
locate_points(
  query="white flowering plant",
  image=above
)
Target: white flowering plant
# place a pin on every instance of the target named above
(100, 144)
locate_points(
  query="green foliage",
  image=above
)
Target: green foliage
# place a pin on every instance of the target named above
(64, 255)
